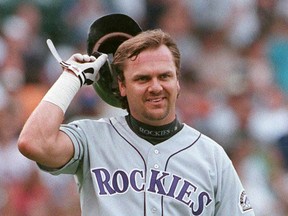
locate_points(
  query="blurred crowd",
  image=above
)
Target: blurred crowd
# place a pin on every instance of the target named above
(234, 88)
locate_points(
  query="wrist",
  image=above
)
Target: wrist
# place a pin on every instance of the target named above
(63, 90)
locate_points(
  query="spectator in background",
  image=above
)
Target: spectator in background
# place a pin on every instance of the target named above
(176, 19)
(194, 105)
(277, 46)
(255, 169)
(14, 168)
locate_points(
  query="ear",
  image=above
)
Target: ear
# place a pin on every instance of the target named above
(122, 88)
(178, 86)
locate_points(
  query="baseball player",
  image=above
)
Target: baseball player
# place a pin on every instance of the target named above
(145, 163)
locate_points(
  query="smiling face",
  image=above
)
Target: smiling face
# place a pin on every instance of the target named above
(151, 86)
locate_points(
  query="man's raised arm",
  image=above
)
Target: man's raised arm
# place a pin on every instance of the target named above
(40, 139)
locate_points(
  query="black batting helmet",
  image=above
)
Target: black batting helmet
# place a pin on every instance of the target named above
(105, 36)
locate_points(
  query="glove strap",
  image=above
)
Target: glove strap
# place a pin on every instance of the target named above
(75, 70)
(80, 72)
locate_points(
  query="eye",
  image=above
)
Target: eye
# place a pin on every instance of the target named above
(165, 76)
(142, 78)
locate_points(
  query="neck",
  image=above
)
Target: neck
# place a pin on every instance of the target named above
(154, 134)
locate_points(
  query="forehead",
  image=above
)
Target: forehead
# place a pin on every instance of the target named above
(153, 55)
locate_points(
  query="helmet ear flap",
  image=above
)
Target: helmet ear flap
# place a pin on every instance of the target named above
(105, 36)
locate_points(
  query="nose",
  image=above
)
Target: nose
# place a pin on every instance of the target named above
(155, 86)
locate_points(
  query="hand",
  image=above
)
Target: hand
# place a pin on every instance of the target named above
(85, 67)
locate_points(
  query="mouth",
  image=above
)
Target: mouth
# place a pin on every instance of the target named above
(155, 101)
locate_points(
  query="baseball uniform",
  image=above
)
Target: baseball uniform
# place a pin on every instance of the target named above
(119, 173)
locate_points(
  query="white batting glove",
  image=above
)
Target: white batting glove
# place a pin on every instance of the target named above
(85, 67)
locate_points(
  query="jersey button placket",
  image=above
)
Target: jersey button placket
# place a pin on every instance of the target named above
(156, 166)
(156, 152)
(153, 199)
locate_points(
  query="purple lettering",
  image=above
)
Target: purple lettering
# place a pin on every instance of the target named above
(156, 181)
(124, 179)
(180, 189)
(185, 191)
(201, 203)
(133, 180)
(173, 186)
(102, 179)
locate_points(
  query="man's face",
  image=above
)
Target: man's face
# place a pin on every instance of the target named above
(151, 86)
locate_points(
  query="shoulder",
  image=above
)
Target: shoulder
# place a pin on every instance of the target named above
(205, 144)
(84, 126)
(202, 138)
(96, 122)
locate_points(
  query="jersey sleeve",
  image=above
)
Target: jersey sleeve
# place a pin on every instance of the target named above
(231, 198)
(75, 134)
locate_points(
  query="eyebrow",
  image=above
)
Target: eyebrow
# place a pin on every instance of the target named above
(149, 75)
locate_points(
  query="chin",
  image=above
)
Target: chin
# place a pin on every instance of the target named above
(157, 116)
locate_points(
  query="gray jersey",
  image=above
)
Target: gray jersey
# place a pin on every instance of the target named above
(119, 173)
